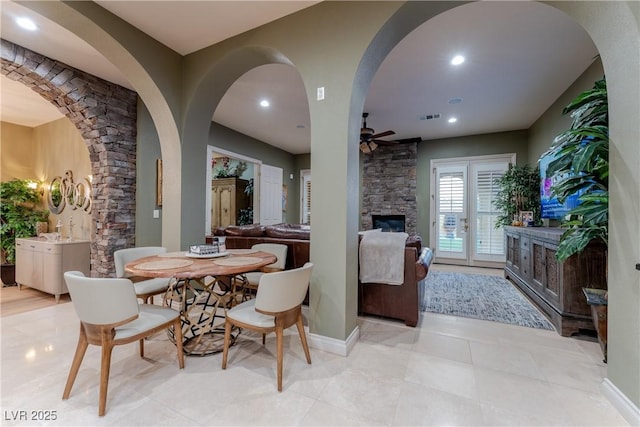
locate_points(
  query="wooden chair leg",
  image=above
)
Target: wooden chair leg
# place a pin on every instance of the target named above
(279, 339)
(264, 338)
(177, 333)
(107, 347)
(77, 361)
(227, 341)
(303, 337)
(142, 347)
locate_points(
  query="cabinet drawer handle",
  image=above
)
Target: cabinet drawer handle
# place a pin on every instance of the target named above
(32, 246)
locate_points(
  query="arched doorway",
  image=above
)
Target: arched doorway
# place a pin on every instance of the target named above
(105, 115)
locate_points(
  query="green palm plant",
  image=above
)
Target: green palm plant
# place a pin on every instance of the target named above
(581, 166)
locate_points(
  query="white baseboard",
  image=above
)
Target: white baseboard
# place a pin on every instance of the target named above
(335, 346)
(621, 402)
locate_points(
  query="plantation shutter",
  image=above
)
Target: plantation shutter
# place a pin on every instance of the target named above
(451, 207)
(489, 239)
(307, 219)
(306, 197)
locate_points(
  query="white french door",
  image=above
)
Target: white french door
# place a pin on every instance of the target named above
(462, 213)
(451, 206)
(270, 195)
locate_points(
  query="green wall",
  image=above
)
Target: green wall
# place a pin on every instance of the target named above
(466, 146)
(236, 142)
(148, 229)
(552, 122)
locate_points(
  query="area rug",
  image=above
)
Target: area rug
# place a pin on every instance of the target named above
(479, 297)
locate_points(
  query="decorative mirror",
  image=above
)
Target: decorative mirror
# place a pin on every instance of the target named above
(63, 191)
(55, 197)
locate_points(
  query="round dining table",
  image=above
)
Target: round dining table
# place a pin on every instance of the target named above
(202, 288)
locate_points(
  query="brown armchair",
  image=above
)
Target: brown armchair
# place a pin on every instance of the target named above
(398, 301)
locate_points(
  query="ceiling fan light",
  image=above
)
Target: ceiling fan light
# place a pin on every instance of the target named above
(373, 145)
(364, 148)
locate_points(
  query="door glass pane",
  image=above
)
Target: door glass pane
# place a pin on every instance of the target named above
(451, 207)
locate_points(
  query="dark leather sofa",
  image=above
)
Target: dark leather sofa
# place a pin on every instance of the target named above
(295, 236)
(391, 301)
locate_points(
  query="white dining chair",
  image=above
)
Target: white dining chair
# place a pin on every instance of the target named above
(276, 307)
(145, 288)
(110, 315)
(252, 280)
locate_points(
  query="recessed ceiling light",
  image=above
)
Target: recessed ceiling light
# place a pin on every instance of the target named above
(26, 23)
(452, 120)
(457, 60)
(264, 103)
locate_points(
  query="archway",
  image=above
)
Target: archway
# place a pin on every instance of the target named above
(105, 115)
(207, 94)
(614, 28)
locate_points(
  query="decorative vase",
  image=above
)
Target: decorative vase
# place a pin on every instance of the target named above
(41, 227)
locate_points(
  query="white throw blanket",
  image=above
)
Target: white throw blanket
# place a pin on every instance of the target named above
(382, 258)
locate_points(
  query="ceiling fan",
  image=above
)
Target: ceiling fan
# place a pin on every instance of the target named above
(369, 139)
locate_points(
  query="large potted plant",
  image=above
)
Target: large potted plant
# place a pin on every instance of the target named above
(519, 191)
(581, 166)
(18, 217)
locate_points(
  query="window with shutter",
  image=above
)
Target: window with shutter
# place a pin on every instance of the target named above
(306, 197)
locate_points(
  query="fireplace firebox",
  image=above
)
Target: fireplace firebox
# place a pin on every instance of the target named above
(388, 222)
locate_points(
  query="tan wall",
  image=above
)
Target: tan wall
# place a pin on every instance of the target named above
(16, 146)
(43, 152)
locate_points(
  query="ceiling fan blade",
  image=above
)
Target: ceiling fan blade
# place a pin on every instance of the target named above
(382, 142)
(383, 134)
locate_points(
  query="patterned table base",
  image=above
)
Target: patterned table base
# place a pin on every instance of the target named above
(202, 304)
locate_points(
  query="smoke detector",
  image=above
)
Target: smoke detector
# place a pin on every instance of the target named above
(430, 116)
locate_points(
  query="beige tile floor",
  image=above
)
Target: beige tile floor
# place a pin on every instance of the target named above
(447, 371)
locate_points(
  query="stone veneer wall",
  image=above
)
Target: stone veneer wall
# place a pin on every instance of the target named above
(389, 184)
(105, 115)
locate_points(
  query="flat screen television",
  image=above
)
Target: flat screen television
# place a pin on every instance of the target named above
(551, 208)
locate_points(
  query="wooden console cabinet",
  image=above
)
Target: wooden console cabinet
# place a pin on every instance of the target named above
(227, 198)
(40, 264)
(555, 287)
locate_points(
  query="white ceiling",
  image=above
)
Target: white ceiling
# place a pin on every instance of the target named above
(520, 56)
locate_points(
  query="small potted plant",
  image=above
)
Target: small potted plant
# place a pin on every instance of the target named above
(18, 218)
(519, 191)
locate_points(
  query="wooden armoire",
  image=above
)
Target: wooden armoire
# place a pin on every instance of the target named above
(227, 198)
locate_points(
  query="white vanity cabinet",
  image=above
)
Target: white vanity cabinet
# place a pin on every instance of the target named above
(40, 264)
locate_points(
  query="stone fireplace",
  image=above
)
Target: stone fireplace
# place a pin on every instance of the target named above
(389, 185)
